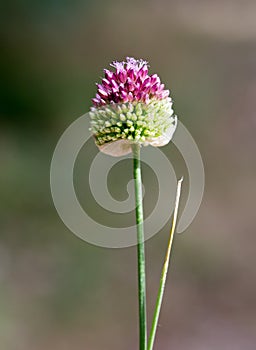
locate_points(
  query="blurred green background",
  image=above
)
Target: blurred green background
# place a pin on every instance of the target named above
(60, 293)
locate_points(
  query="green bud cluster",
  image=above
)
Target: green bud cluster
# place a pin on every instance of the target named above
(134, 121)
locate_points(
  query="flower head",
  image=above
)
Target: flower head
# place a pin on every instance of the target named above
(131, 106)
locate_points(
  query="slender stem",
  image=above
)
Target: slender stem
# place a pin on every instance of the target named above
(164, 270)
(140, 248)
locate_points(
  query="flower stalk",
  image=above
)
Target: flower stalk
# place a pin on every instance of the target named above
(164, 270)
(132, 109)
(140, 247)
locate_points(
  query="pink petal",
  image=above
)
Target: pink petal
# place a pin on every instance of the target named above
(131, 74)
(123, 94)
(155, 79)
(114, 84)
(122, 76)
(130, 96)
(154, 88)
(102, 93)
(105, 82)
(108, 74)
(161, 87)
(143, 71)
(95, 101)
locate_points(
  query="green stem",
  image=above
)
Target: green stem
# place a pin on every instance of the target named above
(164, 270)
(140, 248)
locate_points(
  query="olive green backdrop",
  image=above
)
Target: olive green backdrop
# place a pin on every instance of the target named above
(60, 293)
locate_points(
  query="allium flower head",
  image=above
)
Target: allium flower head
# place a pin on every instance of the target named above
(131, 106)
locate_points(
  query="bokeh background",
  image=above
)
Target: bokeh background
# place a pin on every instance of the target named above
(60, 293)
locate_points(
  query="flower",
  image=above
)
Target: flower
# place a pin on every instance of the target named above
(131, 106)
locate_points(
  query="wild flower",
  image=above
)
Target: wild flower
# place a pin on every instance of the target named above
(131, 106)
